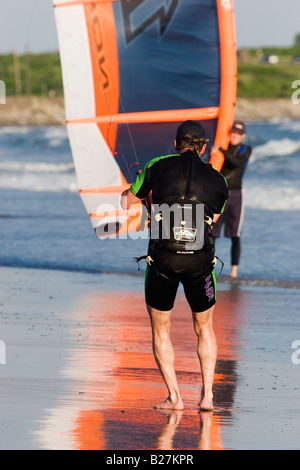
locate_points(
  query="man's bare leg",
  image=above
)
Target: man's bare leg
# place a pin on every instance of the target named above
(234, 271)
(164, 356)
(207, 353)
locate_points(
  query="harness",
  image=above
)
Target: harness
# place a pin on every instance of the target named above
(179, 244)
(151, 262)
(181, 226)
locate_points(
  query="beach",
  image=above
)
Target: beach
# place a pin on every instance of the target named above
(88, 105)
(79, 372)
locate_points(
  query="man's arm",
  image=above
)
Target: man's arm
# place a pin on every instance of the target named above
(128, 199)
(236, 160)
(139, 189)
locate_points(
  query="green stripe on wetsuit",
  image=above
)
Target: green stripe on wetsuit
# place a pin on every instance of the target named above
(136, 186)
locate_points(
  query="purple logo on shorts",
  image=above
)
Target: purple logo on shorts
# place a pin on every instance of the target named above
(209, 288)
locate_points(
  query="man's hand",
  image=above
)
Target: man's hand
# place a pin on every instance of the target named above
(128, 199)
(214, 148)
(216, 217)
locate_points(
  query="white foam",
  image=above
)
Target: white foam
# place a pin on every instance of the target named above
(56, 136)
(17, 166)
(274, 148)
(37, 177)
(35, 182)
(290, 125)
(30, 136)
(15, 130)
(47, 131)
(274, 198)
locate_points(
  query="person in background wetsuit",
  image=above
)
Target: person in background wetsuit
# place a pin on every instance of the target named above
(184, 182)
(236, 159)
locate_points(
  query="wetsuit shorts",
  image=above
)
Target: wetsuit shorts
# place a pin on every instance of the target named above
(232, 217)
(164, 276)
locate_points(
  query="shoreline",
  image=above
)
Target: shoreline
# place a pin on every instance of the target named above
(224, 281)
(41, 111)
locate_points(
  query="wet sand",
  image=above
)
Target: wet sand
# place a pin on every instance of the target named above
(79, 371)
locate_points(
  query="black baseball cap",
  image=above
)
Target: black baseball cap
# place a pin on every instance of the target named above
(239, 127)
(193, 128)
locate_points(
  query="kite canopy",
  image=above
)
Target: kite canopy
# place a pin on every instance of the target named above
(133, 70)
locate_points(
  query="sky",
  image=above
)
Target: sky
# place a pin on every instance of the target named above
(29, 25)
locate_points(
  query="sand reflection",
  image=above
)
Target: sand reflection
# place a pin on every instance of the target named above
(112, 382)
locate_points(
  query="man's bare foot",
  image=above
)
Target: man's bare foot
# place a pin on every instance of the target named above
(206, 404)
(169, 404)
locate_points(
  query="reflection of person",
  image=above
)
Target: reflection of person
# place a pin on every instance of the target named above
(165, 440)
(236, 159)
(182, 179)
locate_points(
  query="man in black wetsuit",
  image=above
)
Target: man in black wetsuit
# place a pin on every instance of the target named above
(235, 163)
(185, 183)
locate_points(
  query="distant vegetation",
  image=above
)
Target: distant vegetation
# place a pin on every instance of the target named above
(258, 78)
(40, 74)
(31, 74)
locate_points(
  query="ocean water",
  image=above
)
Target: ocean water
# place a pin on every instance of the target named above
(43, 223)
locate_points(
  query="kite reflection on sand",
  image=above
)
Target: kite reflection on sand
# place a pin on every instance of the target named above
(111, 381)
